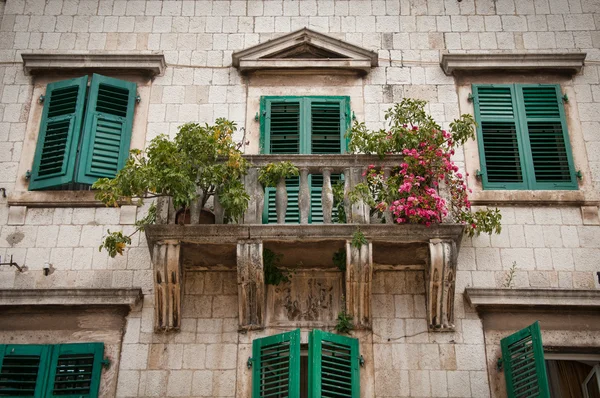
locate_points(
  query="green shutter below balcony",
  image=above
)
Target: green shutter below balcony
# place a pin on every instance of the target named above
(327, 127)
(107, 128)
(524, 366)
(292, 215)
(276, 366)
(548, 138)
(333, 366)
(55, 153)
(75, 370)
(23, 370)
(499, 137)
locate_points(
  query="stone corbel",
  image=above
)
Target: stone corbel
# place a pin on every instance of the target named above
(251, 285)
(359, 272)
(166, 259)
(440, 280)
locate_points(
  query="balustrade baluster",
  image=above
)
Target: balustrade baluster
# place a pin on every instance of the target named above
(327, 196)
(218, 209)
(304, 196)
(281, 201)
(387, 214)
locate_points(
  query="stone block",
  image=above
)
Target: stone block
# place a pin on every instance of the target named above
(165, 356)
(459, 384)
(16, 215)
(221, 356)
(179, 383)
(202, 383)
(128, 382)
(134, 356)
(404, 306)
(194, 356)
(589, 215)
(392, 383)
(383, 306)
(420, 385)
(439, 383)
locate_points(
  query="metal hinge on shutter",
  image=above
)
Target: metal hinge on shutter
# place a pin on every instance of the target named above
(249, 362)
(105, 363)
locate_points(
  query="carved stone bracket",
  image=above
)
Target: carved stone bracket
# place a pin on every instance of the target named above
(440, 280)
(359, 272)
(251, 285)
(167, 286)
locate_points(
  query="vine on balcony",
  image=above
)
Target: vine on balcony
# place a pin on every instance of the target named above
(411, 192)
(200, 159)
(272, 173)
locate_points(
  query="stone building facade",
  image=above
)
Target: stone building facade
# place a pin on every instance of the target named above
(201, 60)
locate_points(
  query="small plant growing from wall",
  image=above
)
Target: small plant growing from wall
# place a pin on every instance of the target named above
(339, 259)
(412, 192)
(510, 276)
(201, 161)
(344, 324)
(358, 239)
(274, 275)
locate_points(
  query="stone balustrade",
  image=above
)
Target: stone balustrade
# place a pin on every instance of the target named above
(350, 167)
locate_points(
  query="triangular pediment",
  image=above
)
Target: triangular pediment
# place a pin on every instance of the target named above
(304, 49)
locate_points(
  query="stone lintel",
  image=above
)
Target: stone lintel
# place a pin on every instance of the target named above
(544, 299)
(145, 64)
(566, 63)
(71, 297)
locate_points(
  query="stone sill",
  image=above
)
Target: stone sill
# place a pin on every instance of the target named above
(54, 199)
(145, 64)
(565, 63)
(77, 297)
(232, 233)
(494, 299)
(519, 197)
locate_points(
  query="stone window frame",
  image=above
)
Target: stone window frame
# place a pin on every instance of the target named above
(584, 196)
(47, 68)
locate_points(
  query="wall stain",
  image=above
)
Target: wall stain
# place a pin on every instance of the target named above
(15, 238)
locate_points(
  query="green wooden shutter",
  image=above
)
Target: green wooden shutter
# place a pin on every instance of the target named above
(55, 153)
(524, 367)
(75, 370)
(328, 126)
(107, 128)
(543, 118)
(23, 370)
(333, 366)
(499, 136)
(282, 126)
(276, 366)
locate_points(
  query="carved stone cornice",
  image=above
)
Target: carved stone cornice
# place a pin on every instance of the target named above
(70, 297)
(144, 64)
(564, 63)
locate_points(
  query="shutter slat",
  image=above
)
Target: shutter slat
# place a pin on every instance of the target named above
(107, 130)
(22, 370)
(76, 370)
(276, 365)
(326, 127)
(284, 129)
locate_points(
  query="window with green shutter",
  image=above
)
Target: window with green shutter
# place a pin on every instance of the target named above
(333, 366)
(84, 132)
(276, 365)
(523, 363)
(64, 370)
(302, 125)
(523, 138)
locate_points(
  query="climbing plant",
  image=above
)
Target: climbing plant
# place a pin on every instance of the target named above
(412, 192)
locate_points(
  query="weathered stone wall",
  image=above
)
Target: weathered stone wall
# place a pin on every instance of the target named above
(552, 244)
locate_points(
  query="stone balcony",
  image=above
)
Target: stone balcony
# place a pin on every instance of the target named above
(178, 245)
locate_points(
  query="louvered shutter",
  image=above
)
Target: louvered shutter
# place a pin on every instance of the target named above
(333, 366)
(327, 126)
(523, 362)
(107, 128)
(543, 118)
(75, 370)
(276, 366)
(23, 370)
(282, 126)
(498, 129)
(56, 150)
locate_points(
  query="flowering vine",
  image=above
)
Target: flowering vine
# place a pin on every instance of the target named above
(426, 187)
